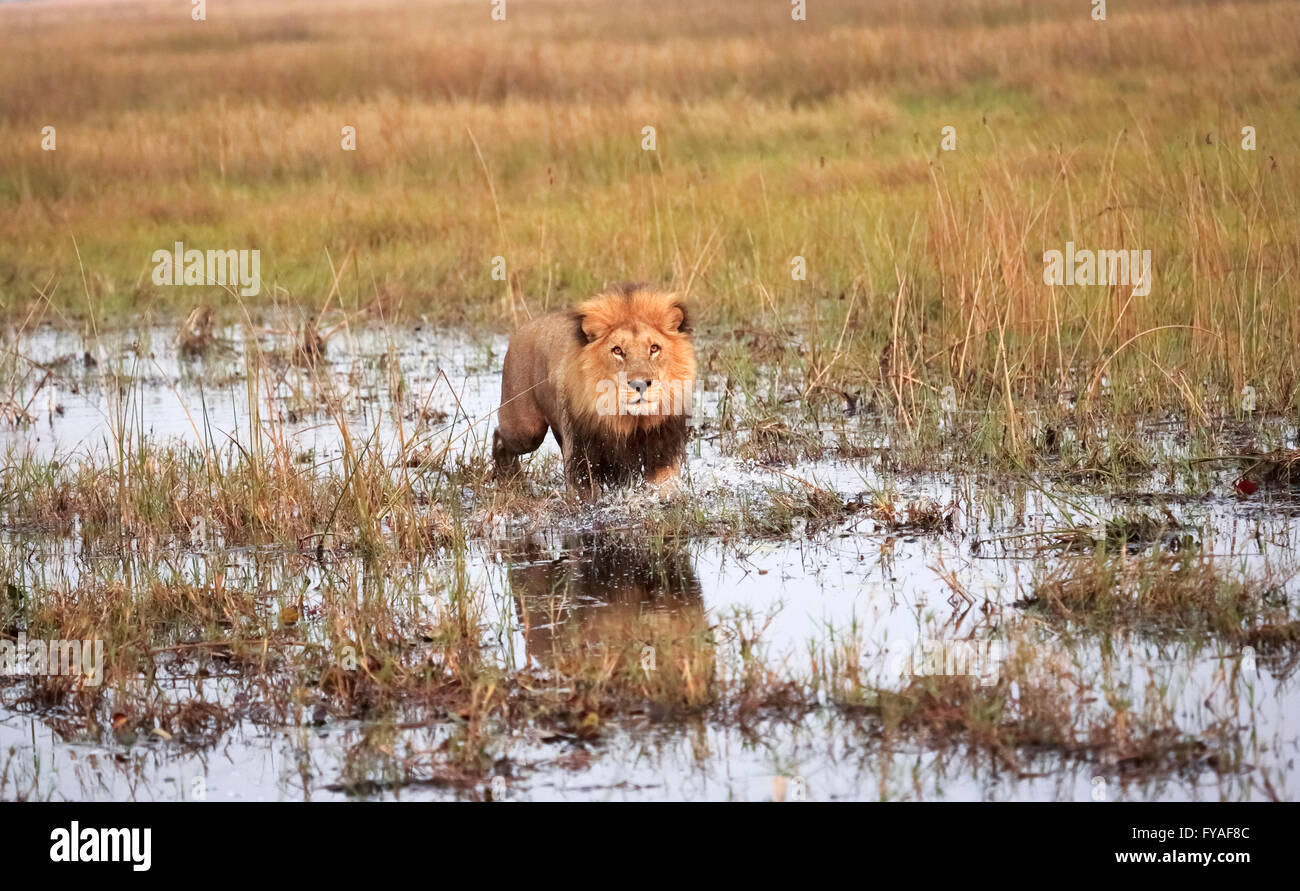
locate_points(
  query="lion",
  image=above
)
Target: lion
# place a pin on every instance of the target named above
(612, 380)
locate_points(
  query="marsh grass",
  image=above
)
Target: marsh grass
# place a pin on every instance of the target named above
(818, 139)
(1041, 699)
(361, 605)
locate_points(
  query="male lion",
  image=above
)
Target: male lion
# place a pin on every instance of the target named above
(612, 380)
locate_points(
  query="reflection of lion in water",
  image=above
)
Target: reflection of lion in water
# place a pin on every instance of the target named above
(606, 592)
(612, 381)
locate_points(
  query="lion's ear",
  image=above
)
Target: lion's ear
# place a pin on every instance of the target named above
(675, 318)
(588, 327)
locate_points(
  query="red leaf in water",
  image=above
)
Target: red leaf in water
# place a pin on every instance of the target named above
(1245, 486)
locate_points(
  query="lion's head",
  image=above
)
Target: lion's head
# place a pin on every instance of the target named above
(636, 364)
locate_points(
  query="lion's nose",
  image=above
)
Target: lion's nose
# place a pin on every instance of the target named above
(639, 386)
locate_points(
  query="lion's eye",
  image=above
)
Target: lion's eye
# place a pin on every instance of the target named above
(618, 351)
(654, 348)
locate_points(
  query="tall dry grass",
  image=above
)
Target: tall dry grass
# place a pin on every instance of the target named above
(820, 139)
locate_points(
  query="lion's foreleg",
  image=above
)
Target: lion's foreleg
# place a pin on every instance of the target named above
(667, 473)
(578, 472)
(664, 459)
(581, 479)
(666, 478)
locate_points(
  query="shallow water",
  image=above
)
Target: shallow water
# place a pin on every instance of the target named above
(886, 590)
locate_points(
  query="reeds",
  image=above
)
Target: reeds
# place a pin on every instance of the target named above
(818, 140)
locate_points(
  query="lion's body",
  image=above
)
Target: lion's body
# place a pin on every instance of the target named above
(611, 380)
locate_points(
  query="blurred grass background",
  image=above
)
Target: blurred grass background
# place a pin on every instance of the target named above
(776, 138)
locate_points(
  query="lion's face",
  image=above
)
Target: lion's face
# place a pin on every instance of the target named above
(637, 361)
